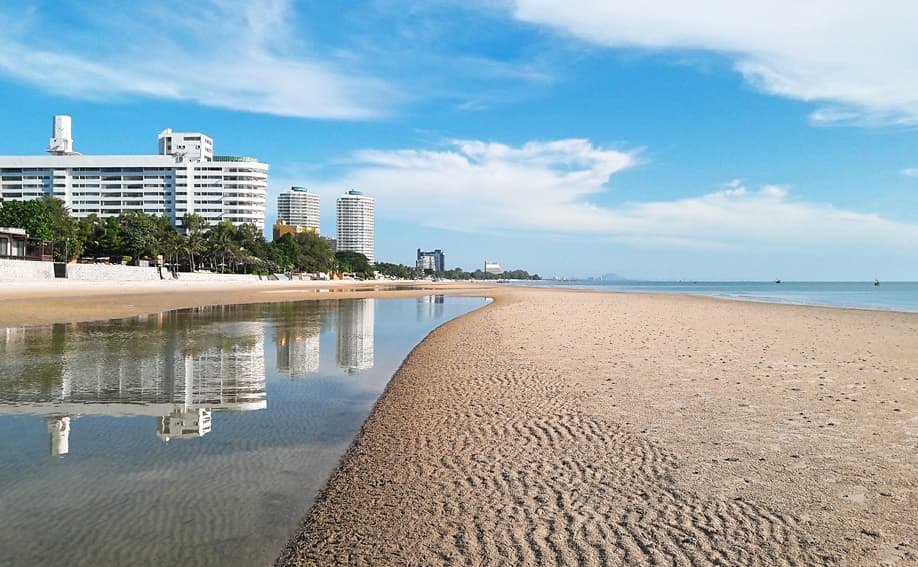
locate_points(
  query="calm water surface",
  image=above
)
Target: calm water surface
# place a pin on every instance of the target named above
(192, 437)
(895, 296)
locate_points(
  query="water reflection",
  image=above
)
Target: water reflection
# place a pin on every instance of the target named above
(233, 494)
(430, 307)
(355, 334)
(180, 366)
(162, 365)
(297, 339)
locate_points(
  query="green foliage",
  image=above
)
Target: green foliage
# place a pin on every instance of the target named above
(139, 234)
(33, 216)
(399, 271)
(44, 218)
(354, 262)
(221, 247)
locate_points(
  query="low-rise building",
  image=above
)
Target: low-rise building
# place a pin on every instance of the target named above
(15, 244)
(281, 228)
(492, 267)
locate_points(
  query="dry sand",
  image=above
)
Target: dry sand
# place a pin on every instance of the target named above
(562, 427)
(575, 428)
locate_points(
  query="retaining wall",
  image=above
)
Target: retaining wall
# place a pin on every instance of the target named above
(209, 277)
(112, 272)
(25, 270)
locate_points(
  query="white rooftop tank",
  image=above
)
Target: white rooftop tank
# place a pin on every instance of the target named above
(61, 136)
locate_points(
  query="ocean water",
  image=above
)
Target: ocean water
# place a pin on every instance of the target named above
(894, 296)
(191, 437)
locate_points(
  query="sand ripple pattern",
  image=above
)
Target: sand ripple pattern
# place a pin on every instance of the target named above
(491, 460)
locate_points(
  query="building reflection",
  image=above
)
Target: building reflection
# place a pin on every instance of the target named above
(430, 307)
(179, 367)
(354, 334)
(297, 339)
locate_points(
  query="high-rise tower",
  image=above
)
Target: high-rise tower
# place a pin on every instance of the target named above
(356, 224)
(299, 207)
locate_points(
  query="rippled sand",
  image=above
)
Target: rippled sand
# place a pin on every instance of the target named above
(558, 427)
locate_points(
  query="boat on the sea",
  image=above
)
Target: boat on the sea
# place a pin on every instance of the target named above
(777, 281)
(876, 283)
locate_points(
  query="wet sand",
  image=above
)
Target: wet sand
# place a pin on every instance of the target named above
(62, 301)
(564, 427)
(561, 427)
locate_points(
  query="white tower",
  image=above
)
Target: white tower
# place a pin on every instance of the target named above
(61, 136)
(299, 207)
(356, 224)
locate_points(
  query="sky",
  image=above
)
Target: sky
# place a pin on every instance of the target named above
(661, 139)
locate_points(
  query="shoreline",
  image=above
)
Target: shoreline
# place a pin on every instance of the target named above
(44, 303)
(527, 449)
(767, 301)
(580, 426)
(67, 301)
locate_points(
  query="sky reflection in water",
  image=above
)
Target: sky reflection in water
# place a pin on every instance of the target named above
(197, 436)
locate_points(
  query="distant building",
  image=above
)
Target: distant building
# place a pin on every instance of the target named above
(281, 228)
(298, 207)
(185, 177)
(435, 260)
(355, 213)
(493, 267)
(333, 242)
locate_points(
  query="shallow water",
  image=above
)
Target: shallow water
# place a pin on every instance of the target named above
(890, 296)
(192, 437)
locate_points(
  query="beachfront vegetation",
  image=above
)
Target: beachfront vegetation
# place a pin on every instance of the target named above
(402, 271)
(222, 247)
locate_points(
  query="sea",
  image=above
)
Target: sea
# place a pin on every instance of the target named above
(888, 296)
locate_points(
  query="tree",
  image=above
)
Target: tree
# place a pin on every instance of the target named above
(32, 216)
(140, 234)
(316, 253)
(195, 225)
(356, 262)
(46, 218)
(222, 244)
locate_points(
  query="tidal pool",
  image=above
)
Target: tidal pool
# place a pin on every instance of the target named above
(191, 437)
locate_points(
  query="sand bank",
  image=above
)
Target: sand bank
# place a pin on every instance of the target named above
(63, 301)
(558, 427)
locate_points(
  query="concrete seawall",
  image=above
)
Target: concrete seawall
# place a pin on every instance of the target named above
(208, 277)
(25, 270)
(100, 272)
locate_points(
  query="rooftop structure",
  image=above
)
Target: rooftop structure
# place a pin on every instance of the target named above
(184, 177)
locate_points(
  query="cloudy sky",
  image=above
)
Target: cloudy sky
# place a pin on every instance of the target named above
(660, 139)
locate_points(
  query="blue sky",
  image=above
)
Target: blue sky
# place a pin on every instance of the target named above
(660, 139)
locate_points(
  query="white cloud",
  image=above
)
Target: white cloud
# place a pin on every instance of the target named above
(556, 186)
(219, 53)
(855, 56)
(910, 171)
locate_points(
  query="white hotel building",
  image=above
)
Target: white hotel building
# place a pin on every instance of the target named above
(185, 177)
(299, 207)
(356, 219)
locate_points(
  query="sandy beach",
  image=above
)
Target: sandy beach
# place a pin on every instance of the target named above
(564, 427)
(571, 428)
